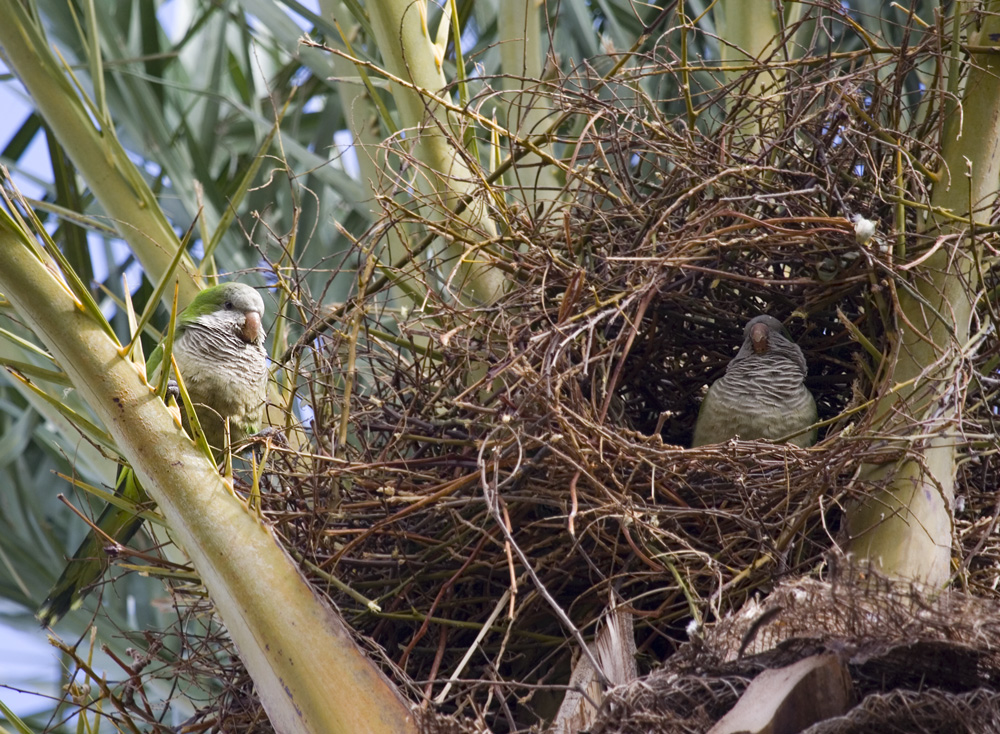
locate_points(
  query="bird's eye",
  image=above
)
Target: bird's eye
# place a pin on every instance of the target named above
(229, 305)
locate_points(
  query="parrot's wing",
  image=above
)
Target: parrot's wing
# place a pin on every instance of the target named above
(710, 425)
(90, 561)
(153, 364)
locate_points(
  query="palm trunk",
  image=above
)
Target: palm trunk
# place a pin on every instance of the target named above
(906, 530)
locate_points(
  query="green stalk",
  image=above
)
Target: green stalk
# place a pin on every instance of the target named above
(748, 32)
(522, 61)
(408, 52)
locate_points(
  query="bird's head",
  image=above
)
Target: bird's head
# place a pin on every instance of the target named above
(765, 335)
(759, 332)
(233, 307)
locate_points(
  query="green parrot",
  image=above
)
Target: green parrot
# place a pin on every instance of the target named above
(762, 394)
(219, 350)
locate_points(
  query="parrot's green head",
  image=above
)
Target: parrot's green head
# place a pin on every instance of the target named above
(233, 307)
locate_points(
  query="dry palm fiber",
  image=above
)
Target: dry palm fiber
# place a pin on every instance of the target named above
(919, 663)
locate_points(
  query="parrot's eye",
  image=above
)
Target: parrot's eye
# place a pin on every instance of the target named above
(229, 305)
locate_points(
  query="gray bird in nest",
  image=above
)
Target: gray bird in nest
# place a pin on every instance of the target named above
(762, 394)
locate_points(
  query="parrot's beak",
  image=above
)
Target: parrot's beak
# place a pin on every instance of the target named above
(758, 337)
(251, 327)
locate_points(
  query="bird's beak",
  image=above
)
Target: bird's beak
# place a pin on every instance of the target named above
(251, 327)
(758, 337)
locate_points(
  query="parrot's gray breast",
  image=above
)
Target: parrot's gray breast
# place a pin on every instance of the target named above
(226, 377)
(762, 395)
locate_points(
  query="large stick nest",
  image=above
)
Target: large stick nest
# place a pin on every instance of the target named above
(519, 464)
